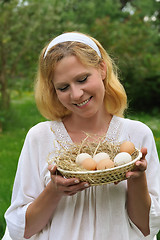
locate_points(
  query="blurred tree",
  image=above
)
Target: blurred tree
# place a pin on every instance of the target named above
(124, 3)
(25, 27)
(128, 29)
(135, 43)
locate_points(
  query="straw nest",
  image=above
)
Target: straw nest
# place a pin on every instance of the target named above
(66, 165)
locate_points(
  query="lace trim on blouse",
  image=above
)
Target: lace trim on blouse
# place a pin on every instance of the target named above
(112, 134)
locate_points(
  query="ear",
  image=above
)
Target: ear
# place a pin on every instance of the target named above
(103, 70)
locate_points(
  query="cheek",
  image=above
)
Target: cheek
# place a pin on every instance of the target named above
(100, 91)
(59, 96)
(62, 97)
(98, 87)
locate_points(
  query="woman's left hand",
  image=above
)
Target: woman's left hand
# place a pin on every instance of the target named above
(140, 166)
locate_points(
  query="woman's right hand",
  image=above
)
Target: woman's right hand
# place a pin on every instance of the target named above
(64, 186)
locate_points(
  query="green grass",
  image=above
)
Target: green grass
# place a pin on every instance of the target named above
(21, 117)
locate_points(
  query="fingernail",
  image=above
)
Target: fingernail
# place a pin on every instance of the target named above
(86, 185)
(76, 181)
(53, 167)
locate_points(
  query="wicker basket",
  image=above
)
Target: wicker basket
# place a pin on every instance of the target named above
(100, 177)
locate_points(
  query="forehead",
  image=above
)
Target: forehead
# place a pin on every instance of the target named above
(69, 66)
(69, 62)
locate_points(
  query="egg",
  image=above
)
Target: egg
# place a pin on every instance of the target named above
(100, 156)
(122, 158)
(128, 147)
(89, 164)
(104, 164)
(81, 157)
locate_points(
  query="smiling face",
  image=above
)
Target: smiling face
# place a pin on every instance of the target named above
(79, 88)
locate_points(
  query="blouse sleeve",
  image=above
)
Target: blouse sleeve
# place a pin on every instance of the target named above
(153, 181)
(153, 178)
(28, 185)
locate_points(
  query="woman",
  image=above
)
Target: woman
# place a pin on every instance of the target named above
(77, 88)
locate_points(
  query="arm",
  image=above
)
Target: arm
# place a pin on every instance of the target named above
(41, 210)
(138, 199)
(32, 191)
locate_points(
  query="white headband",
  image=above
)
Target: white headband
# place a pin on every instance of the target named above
(75, 37)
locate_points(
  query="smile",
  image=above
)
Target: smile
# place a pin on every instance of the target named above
(83, 103)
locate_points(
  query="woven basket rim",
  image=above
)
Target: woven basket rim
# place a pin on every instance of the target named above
(102, 171)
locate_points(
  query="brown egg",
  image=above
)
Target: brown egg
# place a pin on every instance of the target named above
(104, 164)
(89, 164)
(81, 157)
(128, 147)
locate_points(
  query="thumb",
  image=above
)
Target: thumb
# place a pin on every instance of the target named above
(52, 168)
(144, 152)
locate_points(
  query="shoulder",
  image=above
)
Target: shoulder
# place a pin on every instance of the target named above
(135, 127)
(39, 129)
(135, 123)
(42, 131)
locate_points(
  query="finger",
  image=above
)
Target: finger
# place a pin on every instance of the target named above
(76, 188)
(141, 165)
(63, 182)
(144, 152)
(134, 174)
(68, 181)
(116, 182)
(52, 168)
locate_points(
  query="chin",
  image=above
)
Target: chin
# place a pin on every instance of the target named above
(88, 115)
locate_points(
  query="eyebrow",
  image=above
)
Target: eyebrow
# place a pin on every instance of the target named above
(78, 76)
(81, 75)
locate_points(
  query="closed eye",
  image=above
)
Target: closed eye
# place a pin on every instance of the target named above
(63, 89)
(83, 79)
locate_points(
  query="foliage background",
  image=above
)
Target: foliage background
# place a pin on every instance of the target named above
(128, 29)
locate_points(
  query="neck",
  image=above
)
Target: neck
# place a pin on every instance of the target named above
(77, 127)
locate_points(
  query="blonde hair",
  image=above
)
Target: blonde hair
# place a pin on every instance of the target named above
(115, 98)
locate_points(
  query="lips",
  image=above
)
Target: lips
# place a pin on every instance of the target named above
(83, 103)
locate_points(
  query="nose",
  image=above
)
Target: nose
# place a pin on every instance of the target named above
(76, 93)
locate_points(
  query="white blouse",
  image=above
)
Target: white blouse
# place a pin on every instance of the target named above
(97, 213)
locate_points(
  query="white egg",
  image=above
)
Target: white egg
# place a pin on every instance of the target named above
(100, 156)
(81, 157)
(122, 158)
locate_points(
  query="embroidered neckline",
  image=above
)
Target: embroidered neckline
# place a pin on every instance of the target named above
(112, 134)
(114, 130)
